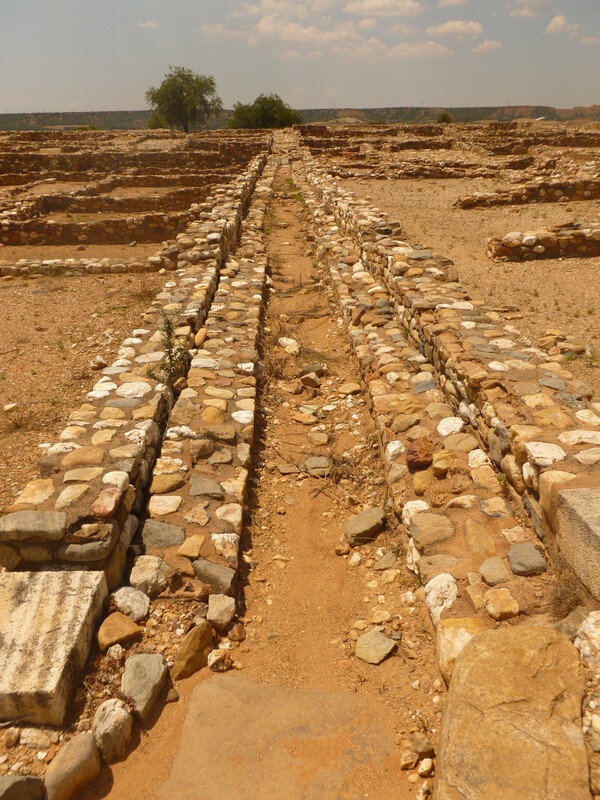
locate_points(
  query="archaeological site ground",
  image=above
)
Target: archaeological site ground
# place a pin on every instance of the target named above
(300, 463)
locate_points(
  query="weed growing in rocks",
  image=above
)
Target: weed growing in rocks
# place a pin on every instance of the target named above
(175, 358)
(566, 595)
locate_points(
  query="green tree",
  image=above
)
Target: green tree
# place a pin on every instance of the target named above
(184, 98)
(267, 111)
(444, 119)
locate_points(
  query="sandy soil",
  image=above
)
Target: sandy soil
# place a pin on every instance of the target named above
(140, 191)
(60, 187)
(47, 251)
(559, 293)
(94, 216)
(45, 352)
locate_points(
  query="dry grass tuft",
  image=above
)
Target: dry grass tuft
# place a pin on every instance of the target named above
(143, 289)
(18, 418)
(567, 594)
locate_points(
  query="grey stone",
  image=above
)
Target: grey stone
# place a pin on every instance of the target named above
(143, 680)
(531, 745)
(75, 765)
(493, 571)
(288, 469)
(373, 647)
(387, 561)
(161, 534)
(20, 525)
(364, 526)
(525, 559)
(578, 534)
(429, 566)
(112, 728)
(122, 402)
(201, 486)
(21, 787)
(318, 466)
(91, 551)
(221, 578)
(424, 386)
(427, 529)
(552, 383)
(46, 628)
(221, 610)
(574, 401)
(318, 368)
(132, 602)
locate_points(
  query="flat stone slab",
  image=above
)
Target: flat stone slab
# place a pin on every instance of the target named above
(46, 624)
(265, 741)
(161, 534)
(512, 725)
(578, 534)
(525, 559)
(364, 526)
(374, 646)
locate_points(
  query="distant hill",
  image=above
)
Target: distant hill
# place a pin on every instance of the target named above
(126, 120)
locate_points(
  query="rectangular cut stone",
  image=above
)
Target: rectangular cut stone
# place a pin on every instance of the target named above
(27, 524)
(578, 534)
(46, 624)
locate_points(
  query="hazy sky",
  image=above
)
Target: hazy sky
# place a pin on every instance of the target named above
(73, 55)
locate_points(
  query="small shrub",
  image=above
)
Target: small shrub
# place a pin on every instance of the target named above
(176, 355)
(18, 418)
(144, 289)
(444, 119)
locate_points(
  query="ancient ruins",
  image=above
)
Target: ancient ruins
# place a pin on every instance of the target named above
(323, 459)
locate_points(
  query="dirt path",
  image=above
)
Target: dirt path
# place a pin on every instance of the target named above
(304, 717)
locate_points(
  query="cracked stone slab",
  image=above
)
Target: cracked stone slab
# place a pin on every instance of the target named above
(46, 625)
(531, 745)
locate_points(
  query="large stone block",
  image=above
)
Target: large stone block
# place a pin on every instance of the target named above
(512, 726)
(46, 626)
(578, 534)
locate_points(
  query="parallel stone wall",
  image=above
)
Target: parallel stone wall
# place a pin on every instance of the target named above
(85, 508)
(120, 160)
(536, 422)
(200, 479)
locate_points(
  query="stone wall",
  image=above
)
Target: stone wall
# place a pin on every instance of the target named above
(152, 227)
(576, 240)
(177, 200)
(556, 191)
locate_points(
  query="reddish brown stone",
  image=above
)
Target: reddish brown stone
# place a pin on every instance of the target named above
(419, 454)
